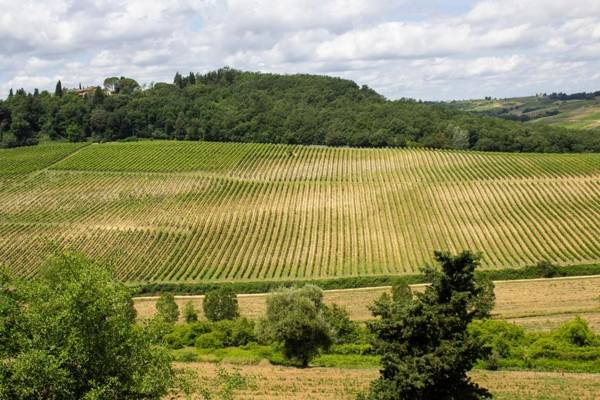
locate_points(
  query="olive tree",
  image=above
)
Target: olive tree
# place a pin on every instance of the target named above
(295, 319)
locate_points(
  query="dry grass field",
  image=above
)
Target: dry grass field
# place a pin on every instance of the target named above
(190, 211)
(282, 383)
(538, 304)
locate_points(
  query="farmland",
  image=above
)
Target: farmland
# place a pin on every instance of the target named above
(190, 211)
(272, 382)
(523, 302)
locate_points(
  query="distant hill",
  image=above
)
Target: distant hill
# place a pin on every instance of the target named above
(231, 105)
(575, 111)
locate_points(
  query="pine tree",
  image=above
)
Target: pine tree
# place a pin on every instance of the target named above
(10, 94)
(192, 79)
(58, 91)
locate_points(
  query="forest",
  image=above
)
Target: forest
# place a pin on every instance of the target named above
(232, 105)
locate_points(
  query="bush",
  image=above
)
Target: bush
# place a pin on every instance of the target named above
(548, 270)
(220, 304)
(576, 332)
(167, 308)
(343, 330)
(189, 313)
(211, 340)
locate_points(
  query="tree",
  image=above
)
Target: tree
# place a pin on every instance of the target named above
(178, 80)
(295, 319)
(166, 307)
(220, 304)
(10, 93)
(342, 328)
(189, 313)
(73, 338)
(426, 349)
(58, 91)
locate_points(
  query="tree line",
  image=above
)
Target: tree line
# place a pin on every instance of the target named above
(232, 105)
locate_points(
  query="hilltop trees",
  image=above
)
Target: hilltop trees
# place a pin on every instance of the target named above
(231, 105)
(426, 349)
(70, 335)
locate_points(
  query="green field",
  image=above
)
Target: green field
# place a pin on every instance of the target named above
(575, 114)
(188, 211)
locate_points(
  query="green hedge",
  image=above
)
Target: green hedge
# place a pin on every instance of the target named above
(249, 287)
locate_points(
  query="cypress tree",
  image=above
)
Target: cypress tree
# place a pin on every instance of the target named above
(58, 91)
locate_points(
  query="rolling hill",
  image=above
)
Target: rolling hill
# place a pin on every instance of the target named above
(578, 111)
(165, 211)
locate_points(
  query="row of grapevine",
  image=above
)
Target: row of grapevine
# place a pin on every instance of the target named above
(172, 211)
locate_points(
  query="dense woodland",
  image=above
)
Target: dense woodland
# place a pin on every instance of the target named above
(231, 105)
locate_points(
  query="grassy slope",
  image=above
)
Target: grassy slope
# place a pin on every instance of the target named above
(578, 114)
(177, 212)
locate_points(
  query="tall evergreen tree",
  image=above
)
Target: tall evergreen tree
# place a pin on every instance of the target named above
(192, 79)
(10, 94)
(58, 91)
(178, 80)
(426, 350)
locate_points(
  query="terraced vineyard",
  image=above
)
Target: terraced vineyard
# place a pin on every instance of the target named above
(182, 211)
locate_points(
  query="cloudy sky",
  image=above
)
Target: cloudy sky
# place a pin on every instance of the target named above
(423, 49)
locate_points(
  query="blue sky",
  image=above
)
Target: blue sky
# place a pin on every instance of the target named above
(428, 49)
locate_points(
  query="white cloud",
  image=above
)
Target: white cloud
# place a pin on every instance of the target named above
(426, 50)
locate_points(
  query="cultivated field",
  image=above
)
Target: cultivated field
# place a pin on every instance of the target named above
(183, 211)
(537, 304)
(281, 383)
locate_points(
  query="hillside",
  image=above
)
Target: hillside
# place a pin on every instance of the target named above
(577, 111)
(230, 105)
(184, 211)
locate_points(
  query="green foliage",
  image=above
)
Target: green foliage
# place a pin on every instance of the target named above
(74, 337)
(189, 313)
(577, 332)
(295, 319)
(294, 109)
(166, 308)
(548, 270)
(343, 330)
(426, 349)
(220, 304)
(266, 286)
(571, 347)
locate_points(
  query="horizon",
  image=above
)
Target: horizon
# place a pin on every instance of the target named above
(432, 51)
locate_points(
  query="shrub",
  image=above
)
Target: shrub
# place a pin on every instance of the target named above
(167, 308)
(576, 332)
(343, 330)
(189, 313)
(548, 270)
(220, 304)
(211, 340)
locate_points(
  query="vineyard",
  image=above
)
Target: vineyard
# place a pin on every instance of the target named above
(187, 211)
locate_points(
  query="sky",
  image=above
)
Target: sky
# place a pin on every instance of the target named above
(423, 49)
